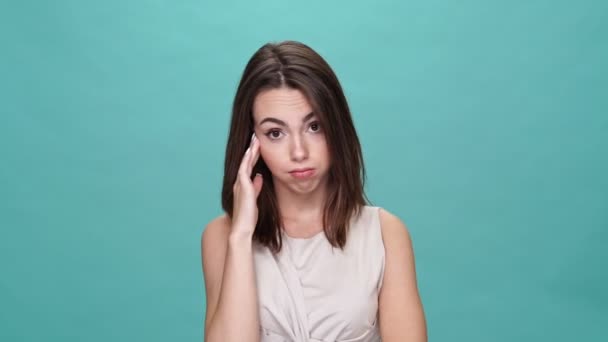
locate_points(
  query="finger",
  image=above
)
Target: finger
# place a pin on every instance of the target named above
(255, 155)
(245, 163)
(243, 167)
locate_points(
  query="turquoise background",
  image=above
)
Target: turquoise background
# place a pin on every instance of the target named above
(484, 128)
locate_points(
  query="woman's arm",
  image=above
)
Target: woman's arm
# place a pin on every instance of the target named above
(401, 314)
(232, 308)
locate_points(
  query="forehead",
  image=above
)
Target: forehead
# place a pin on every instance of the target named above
(282, 103)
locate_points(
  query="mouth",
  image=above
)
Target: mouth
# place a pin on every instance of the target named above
(302, 173)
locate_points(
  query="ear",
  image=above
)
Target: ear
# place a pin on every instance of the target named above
(257, 184)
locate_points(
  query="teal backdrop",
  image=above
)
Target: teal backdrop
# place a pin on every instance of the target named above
(483, 123)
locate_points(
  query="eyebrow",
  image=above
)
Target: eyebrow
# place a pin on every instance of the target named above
(282, 123)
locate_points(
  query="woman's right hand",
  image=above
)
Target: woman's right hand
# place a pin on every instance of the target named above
(246, 192)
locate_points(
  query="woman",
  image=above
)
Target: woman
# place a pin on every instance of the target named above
(299, 255)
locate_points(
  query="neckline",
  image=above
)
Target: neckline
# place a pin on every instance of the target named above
(303, 239)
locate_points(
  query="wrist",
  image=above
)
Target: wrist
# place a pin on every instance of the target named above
(237, 236)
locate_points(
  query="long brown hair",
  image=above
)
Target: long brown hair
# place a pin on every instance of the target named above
(295, 65)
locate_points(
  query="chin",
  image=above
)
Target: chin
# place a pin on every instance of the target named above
(298, 187)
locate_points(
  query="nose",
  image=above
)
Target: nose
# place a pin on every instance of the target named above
(299, 149)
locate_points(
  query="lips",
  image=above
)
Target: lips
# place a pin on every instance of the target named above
(301, 170)
(302, 173)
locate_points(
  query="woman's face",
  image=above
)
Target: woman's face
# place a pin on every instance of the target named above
(292, 141)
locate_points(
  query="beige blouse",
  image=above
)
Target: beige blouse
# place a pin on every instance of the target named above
(313, 292)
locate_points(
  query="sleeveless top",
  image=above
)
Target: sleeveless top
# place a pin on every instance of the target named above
(314, 292)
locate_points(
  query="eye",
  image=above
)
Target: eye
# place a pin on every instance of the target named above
(315, 126)
(273, 134)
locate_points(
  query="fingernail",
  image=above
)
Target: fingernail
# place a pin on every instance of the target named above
(253, 136)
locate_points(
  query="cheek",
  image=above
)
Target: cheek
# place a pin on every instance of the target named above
(270, 155)
(321, 149)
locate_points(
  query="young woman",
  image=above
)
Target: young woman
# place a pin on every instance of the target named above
(299, 254)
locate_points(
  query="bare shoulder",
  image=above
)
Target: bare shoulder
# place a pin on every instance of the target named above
(217, 228)
(394, 230)
(214, 242)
